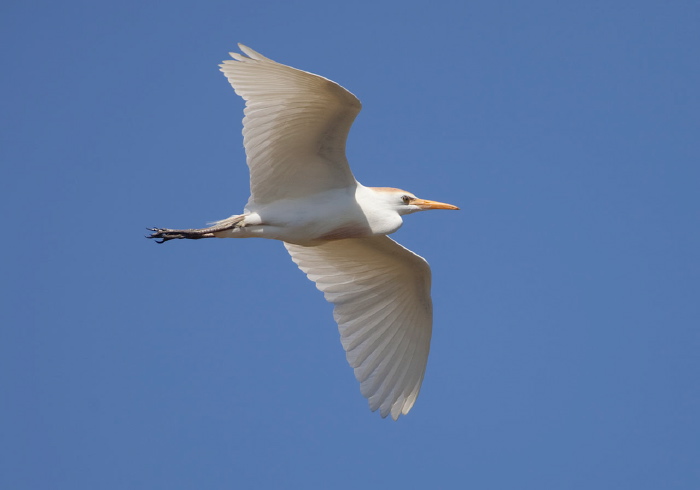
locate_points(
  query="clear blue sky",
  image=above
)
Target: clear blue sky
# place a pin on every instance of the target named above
(566, 347)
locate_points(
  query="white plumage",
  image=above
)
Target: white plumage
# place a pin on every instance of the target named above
(381, 293)
(290, 115)
(304, 194)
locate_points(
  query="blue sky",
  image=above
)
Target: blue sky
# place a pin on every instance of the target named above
(566, 290)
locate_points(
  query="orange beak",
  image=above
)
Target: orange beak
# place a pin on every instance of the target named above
(426, 204)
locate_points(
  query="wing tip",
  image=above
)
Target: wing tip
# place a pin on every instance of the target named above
(396, 410)
(252, 54)
(248, 54)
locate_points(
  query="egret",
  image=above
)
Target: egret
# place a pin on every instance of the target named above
(303, 193)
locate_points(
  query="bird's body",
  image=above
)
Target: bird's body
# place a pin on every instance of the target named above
(353, 212)
(304, 194)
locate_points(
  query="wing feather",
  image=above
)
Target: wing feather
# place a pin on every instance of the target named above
(295, 127)
(381, 294)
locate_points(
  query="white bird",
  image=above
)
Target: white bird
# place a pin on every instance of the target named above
(303, 193)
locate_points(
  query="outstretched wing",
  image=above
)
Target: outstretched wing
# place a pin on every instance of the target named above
(381, 293)
(294, 130)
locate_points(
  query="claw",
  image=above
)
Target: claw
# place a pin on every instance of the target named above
(157, 233)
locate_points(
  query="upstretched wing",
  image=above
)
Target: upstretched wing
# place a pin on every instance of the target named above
(381, 293)
(294, 130)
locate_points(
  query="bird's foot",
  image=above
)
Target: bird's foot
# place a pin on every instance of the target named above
(165, 234)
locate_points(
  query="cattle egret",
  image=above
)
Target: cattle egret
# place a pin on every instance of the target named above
(303, 193)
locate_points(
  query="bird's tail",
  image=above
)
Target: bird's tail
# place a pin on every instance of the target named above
(235, 221)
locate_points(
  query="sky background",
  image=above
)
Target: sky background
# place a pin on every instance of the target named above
(566, 345)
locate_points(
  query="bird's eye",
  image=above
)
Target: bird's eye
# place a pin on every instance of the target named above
(406, 199)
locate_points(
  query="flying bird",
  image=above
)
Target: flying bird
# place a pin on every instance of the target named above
(303, 193)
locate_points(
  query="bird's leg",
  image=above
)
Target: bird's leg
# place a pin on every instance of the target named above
(166, 234)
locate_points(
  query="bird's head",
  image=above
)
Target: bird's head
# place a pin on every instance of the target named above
(405, 202)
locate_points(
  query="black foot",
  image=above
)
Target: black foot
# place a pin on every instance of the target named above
(166, 234)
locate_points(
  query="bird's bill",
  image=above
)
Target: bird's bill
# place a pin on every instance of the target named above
(426, 204)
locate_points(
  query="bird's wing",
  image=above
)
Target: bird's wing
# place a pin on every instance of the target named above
(381, 293)
(295, 127)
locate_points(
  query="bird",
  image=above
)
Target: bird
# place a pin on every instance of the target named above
(303, 193)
